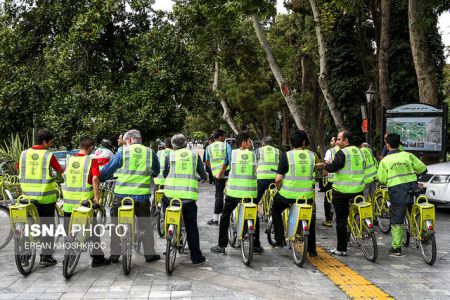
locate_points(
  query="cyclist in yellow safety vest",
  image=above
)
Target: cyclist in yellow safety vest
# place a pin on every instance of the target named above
(135, 165)
(399, 170)
(162, 155)
(217, 155)
(82, 182)
(370, 172)
(268, 158)
(241, 184)
(348, 167)
(180, 169)
(296, 178)
(37, 182)
(329, 157)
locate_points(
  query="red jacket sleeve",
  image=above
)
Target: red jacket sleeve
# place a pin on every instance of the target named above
(55, 164)
(95, 171)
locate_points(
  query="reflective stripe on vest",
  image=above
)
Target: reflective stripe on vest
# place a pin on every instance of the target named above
(242, 179)
(76, 187)
(162, 154)
(299, 180)
(134, 175)
(400, 168)
(217, 153)
(181, 181)
(333, 151)
(370, 172)
(34, 176)
(268, 159)
(350, 179)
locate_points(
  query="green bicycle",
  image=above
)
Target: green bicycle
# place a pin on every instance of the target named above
(266, 202)
(419, 223)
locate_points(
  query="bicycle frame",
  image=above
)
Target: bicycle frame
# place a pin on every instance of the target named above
(159, 193)
(299, 213)
(20, 213)
(126, 214)
(365, 212)
(247, 212)
(173, 220)
(427, 215)
(81, 216)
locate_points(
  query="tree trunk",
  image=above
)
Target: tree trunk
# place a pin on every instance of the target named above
(423, 61)
(285, 127)
(226, 109)
(323, 77)
(362, 49)
(284, 88)
(383, 66)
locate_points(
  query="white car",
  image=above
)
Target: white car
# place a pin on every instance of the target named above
(437, 183)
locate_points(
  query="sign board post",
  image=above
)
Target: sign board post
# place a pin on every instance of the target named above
(422, 128)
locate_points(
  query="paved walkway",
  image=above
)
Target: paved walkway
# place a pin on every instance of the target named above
(271, 276)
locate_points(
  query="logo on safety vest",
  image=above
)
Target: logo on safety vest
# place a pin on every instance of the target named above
(184, 154)
(244, 156)
(354, 151)
(76, 165)
(216, 145)
(35, 156)
(302, 155)
(137, 150)
(269, 149)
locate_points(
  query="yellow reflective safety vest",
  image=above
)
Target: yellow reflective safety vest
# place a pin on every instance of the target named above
(34, 176)
(350, 179)
(242, 179)
(134, 175)
(268, 160)
(76, 187)
(181, 181)
(333, 151)
(300, 178)
(400, 167)
(162, 154)
(217, 153)
(370, 172)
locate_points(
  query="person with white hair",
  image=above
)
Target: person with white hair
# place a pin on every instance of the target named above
(180, 169)
(135, 165)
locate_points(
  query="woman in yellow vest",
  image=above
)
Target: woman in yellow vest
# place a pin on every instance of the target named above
(241, 184)
(296, 178)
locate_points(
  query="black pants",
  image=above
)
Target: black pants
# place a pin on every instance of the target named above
(326, 204)
(190, 223)
(210, 174)
(230, 205)
(341, 203)
(263, 185)
(400, 200)
(96, 251)
(279, 205)
(144, 222)
(220, 187)
(47, 217)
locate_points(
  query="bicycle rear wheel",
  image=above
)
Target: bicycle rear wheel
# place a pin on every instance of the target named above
(6, 231)
(127, 250)
(369, 244)
(71, 257)
(247, 247)
(24, 255)
(382, 215)
(299, 247)
(171, 254)
(406, 232)
(232, 236)
(427, 244)
(270, 232)
(160, 223)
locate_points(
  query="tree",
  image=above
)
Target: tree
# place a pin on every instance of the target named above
(383, 57)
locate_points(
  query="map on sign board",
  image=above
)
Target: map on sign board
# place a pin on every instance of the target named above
(417, 133)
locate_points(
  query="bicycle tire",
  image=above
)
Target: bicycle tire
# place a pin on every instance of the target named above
(5, 221)
(100, 215)
(406, 232)
(24, 258)
(270, 232)
(383, 219)
(427, 239)
(171, 254)
(71, 258)
(232, 235)
(299, 257)
(127, 250)
(371, 256)
(160, 224)
(247, 255)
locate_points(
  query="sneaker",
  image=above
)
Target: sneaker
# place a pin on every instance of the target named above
(327, 224)
(212, 222)
(339, 253)
(100, 262)
(47, 260)
(199, 261)
(218, 250)
(152, 258)
(258, 250)
(395, 252)
(114, 259)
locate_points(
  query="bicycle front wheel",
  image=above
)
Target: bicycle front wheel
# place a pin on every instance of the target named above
(171, 254)
(160, 223)
(382, 215)
(427, 244)
(71, 257)
(369, 245)
(299, 248)
(6, 232)
(247, 248)
(232, 236)
(127, 250)
(24, 255)
(270, 232)
(406, 232)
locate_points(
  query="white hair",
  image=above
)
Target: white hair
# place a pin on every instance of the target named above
(178, 141)
(134, 135)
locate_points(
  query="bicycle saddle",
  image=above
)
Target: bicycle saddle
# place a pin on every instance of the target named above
(415, 192)
(95, 205)
(85, 203)
(127, 202)
(25, 201)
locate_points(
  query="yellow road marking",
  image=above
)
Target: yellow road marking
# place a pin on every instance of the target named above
(349, 281)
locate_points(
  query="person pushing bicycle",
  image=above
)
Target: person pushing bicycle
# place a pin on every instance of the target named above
(268, 158)
(295, 178)
(180, 169)
(398, 170)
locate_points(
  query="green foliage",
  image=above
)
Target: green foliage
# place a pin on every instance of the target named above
(11, 149)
